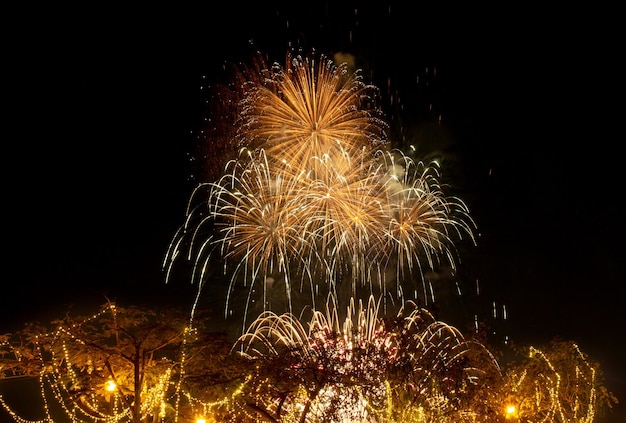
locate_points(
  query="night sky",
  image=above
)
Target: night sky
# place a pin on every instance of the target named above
(104, 110)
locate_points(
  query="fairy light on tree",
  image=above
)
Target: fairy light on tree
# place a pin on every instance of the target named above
(556, 383)
(121, 364)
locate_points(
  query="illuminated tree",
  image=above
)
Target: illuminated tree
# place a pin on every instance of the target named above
(557, 384)
(364, 368)
(122, 364)
(441, 374)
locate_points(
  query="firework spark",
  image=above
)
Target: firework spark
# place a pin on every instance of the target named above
(364, 368)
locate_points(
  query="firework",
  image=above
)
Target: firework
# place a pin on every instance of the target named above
(316, 196)
(330, 371)
(310, 108)
(363, 367)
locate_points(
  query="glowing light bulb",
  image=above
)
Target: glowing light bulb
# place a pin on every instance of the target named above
(511, 412)
(110, 386)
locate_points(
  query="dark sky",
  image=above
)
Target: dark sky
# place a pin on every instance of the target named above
(104, 108)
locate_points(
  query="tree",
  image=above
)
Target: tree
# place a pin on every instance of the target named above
(558, 383)
(126, 363)
(411, 368)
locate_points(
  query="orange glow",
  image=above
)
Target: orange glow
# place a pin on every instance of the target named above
(110, 386)
(511, 412)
